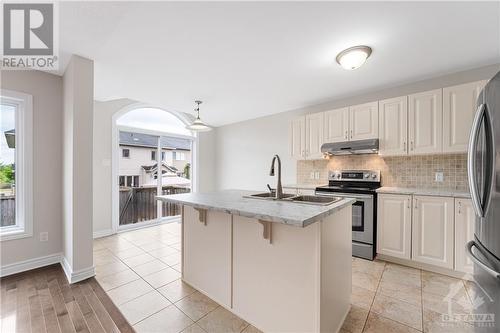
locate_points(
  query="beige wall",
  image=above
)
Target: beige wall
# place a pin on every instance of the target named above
(244, 150)
(78, 99)
(46, 90)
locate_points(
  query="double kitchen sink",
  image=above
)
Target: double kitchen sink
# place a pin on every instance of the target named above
(305, 199)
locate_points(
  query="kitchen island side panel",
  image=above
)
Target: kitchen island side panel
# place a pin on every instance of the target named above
(276, 285)
(207, 253)
(336, 269)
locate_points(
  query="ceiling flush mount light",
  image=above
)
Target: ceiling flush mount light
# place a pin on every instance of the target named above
(354, 57)
(198, 125)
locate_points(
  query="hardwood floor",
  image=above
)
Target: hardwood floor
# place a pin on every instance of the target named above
(41, 300)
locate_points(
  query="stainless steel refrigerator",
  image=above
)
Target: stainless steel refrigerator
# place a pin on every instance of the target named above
(483, 164)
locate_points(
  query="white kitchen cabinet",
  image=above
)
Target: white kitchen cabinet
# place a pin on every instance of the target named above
(297, 138)
(207, 252)
(426, 122)
(336, 125)
(363, 121)
(393, 126)
(459, 108)
(314, 135)
(394, 225)
(433, 230)
(464, 232)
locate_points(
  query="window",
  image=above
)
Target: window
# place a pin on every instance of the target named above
(153, 155)
(126, 153)
(132, 181)
(16, 160)
(121, 181)
(178, 156)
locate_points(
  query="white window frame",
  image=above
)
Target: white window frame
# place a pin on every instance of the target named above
(24, 165)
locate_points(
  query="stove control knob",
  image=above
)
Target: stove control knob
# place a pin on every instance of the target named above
(367, 175)
(374, 176)
(338, 175)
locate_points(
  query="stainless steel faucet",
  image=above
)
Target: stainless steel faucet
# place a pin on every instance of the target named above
(279, 189)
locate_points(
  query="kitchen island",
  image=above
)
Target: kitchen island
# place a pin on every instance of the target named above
(281, 266)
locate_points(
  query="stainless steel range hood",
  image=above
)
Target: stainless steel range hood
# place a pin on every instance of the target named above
(357, 147)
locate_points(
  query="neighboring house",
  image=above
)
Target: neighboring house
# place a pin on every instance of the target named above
(10, 137)
(138, 160)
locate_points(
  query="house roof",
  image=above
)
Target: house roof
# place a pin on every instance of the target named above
(152, 168)
(146, 140)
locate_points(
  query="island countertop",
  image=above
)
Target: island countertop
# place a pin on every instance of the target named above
(234, 202)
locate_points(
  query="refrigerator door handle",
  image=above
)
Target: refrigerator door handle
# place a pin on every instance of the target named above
(471, 160)
(489, 176)
(476, 260)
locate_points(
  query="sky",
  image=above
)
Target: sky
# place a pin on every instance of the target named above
(7, 122)
(153, 119)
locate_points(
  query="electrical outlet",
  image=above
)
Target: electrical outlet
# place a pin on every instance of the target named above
(316, 175)
(439, 177)
(44, 236)
(311, 176)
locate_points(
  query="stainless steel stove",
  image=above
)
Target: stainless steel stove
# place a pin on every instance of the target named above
(360, 185)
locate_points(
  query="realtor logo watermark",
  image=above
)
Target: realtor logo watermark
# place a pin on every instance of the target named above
(29, 36)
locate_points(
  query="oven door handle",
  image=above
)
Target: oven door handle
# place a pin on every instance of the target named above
(345, 195)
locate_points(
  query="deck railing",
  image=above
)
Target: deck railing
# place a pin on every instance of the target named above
(139, 204)
(7, 210)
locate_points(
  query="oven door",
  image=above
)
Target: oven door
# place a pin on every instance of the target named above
(362, 215)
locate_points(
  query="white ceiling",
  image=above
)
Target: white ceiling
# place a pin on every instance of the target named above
(247, 60)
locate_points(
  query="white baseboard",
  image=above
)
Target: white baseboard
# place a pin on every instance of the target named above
(29, 264)
(103, 233)
(147, 224)
(57, 258)
(76, 276)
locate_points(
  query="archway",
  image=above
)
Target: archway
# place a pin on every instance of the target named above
(152, 154)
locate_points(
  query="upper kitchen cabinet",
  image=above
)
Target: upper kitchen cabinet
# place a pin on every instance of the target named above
(306, 136)
(336, 125)
(393, 126)
(459, 108)
(426, 122)
(297, 138)
(314, 135)
(363, 121)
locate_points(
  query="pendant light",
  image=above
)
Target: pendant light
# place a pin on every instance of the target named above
(198, 125)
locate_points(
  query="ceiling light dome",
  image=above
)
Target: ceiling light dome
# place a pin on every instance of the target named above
(198, 125)
(354, 57)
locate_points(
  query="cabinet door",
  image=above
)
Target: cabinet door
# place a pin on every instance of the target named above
(459, 108)
(363, 121)
(207, 253)
(464, 232)
(432, 230)
(297, 138)
(336, 125)
(393, 126)
(394, 225)
(426, 122)
(314, 135)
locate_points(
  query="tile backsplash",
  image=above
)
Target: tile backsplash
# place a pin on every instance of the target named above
(401, 171)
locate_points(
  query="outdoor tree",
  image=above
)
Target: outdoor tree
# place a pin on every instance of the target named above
(6, 173)
(187, 170)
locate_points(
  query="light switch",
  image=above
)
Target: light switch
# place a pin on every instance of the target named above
(311, 175)
(316, 175)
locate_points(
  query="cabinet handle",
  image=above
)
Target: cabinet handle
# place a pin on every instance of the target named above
(346, 134)
(460, 207)
(351, 134)
(416, 204)
(408, 203)
(404, 145)
(412, 145)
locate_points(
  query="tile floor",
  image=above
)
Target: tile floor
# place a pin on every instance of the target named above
(140, 271)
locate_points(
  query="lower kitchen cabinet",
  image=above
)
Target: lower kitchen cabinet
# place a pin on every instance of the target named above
(394, 225)
(464, 232)
(433, 230)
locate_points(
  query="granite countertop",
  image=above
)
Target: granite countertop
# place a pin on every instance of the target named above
(425, 191)
(233, 202)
